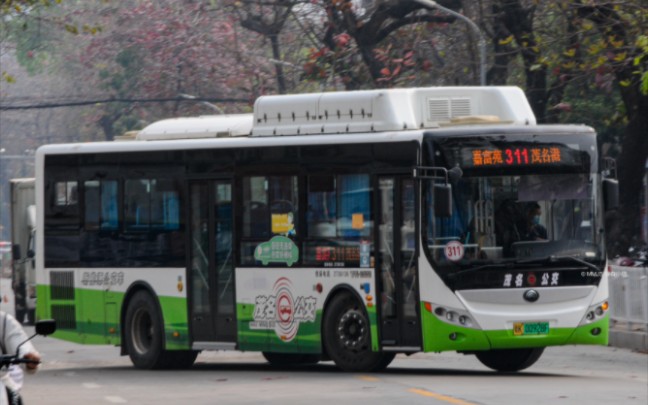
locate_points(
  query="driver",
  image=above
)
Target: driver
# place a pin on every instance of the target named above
(532, 230)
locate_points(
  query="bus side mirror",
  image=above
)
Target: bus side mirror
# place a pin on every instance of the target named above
(610, 194)
(443, 200)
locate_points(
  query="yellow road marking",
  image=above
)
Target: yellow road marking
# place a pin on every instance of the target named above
(368, 378)
(440, 397)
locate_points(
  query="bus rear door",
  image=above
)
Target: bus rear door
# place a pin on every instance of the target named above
(211, 267)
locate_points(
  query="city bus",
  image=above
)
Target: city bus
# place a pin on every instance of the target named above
(343, 226)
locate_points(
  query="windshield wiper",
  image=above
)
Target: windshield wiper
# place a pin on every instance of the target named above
(537, 261)
(503, 265)
(555, 259)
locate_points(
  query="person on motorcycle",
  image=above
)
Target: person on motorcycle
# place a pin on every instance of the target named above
(11, 336)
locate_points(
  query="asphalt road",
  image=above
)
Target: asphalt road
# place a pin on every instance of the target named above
(77, 374)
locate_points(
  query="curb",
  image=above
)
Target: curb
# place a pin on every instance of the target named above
(635, 340)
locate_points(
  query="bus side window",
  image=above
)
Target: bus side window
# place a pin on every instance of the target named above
(63, 208)
(259, 225)
(339, 221)
(270, 208)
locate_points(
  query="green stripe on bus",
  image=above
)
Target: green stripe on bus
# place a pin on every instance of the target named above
(93, 317)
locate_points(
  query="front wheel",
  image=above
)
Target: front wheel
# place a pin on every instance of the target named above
(347, 339)
(507, 360)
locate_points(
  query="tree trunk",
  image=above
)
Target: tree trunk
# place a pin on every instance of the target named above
(623, 226)
(276, 54)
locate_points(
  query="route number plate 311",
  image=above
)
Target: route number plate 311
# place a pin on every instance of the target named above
(530, 328)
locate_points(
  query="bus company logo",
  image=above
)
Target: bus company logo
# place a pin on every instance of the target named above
(283, 312)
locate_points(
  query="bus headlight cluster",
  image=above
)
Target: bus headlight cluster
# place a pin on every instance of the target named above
(454, 316)
(595, 312)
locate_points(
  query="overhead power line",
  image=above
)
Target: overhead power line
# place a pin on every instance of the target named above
(60, 104)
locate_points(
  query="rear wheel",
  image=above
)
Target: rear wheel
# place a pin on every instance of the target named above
(144, 336)
(504, 360)
(288, 359)
(347, 339)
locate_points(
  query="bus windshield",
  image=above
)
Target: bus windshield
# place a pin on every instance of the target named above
(516, 216)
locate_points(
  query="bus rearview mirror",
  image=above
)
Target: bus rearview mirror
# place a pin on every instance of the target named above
(610, 194)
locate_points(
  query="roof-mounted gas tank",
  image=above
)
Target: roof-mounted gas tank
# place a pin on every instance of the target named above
(388, 110)
(209, 126)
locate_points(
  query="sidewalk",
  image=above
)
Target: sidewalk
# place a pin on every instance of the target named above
(629, 336)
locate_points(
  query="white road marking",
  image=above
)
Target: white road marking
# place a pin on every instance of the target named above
(116, 400)
(91, 386)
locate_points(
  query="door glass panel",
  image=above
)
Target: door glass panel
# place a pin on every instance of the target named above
(386, 247)
(223, 248)
(199, 248)
(408, 258)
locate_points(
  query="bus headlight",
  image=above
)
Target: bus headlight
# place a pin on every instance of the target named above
(452, 316)
(595, 312)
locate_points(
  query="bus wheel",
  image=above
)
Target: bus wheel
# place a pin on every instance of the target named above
(504, 360)
(19, 305)
(287, 359)
(180, 359)
(31, 316)
(347, 339)
(20, 316)
(144, 337)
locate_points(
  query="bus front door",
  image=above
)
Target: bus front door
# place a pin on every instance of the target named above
(397, 264)
(211, 268)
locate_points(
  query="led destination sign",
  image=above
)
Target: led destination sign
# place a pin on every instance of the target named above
(515, 156)
(520, 155)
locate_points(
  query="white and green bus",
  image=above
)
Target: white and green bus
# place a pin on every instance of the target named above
(344, 226)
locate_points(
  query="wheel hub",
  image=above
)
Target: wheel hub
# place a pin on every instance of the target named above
(352, 330)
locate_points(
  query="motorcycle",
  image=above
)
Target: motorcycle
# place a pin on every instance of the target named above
(637, 257)
(43, 328)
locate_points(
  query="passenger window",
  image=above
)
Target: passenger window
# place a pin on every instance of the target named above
(100, 199)
(65, 193)
(151, 204)
(270, 208)
(62, 210)
(339, 221)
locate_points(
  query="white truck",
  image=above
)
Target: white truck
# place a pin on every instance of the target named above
(23, 232)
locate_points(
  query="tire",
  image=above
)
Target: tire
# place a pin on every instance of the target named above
(20, 316)
(291, 359)
(20, 305)
(347, 339)
(509, 360)
(180, 359)
(31, 316)
(144, 334)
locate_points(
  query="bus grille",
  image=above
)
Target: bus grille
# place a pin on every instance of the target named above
(62, 285)
(65, 316)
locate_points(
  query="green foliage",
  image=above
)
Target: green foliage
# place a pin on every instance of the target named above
(33, 49)
(20, 6)
(641, 62)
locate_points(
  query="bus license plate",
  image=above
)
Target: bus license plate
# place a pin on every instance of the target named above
(530, 328)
